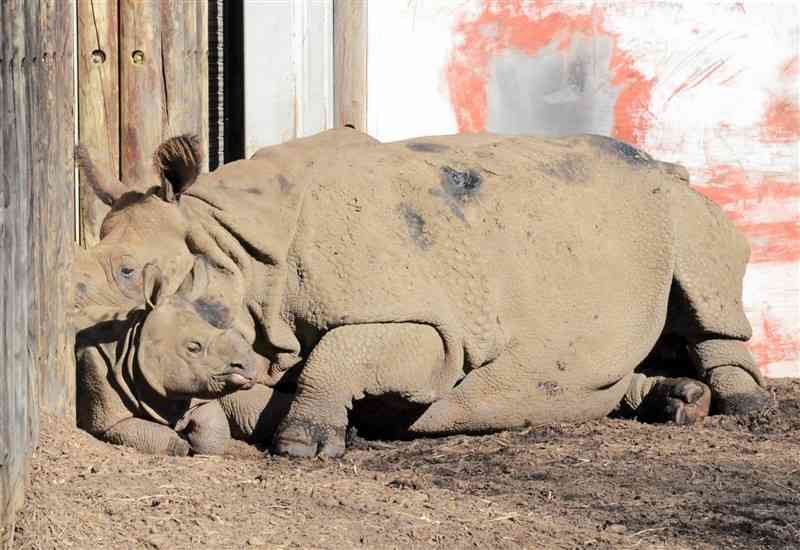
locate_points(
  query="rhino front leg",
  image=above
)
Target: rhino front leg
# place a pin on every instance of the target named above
(254, 414)
(147, 437)
(206, 428)
(354, 361)
(729, 369)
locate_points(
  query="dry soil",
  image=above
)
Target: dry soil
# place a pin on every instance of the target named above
(728, 483)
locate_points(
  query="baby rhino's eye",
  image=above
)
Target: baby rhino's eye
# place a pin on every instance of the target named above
(194, 347)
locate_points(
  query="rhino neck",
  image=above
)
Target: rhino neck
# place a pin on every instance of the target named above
(119, 342)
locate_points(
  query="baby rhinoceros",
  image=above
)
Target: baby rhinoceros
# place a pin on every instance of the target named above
(138, 377)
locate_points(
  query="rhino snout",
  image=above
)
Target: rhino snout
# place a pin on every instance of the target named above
(241, 375)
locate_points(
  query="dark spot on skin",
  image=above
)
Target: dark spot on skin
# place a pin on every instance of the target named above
(214, 313)
(254, 191)
(285, 184)
(457, 187)
(656, 190)
(422, 147)
(416, 226)
(82, 288)
(550, 388)
(460, 185)
(628, 153)
(571, 169)
(561, 365)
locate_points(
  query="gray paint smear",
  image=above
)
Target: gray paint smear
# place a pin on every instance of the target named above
(553, 93)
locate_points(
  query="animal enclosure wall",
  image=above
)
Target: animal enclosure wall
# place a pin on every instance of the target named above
(36, 231)
(711, 85)
(288, 70)
(143, 73)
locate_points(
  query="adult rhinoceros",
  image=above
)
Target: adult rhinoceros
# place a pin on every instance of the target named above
(502, 280)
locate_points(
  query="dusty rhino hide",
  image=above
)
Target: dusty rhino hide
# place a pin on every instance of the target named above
(495, 281)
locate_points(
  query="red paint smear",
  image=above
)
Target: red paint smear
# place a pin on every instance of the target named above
(774, 346)
(504, 25)
(782, 121)
(742, 198)
(791, 68)
(773, 242)
(697, 78)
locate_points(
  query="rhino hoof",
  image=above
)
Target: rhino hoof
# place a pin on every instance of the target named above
(307, 439)
(682, 401)
(742, 404)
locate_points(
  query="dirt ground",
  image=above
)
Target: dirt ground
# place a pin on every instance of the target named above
(729, 483)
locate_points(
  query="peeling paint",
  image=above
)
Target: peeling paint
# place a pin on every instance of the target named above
(782, 120)
(529, 29)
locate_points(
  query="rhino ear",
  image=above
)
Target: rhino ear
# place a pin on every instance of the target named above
(101, 178)
(177, 162)
(153, 284)
(195, 285)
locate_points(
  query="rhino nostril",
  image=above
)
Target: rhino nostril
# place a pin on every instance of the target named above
(236, 366)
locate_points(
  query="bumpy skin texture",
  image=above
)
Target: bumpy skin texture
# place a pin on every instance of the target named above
(544, 270)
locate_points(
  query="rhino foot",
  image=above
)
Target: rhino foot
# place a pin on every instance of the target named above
(680, 400)
(735, 392)
(307, 439)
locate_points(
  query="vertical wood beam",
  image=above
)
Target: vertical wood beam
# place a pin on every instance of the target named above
(36, 229)
(98, 102)
(142, 90)
(350, 63)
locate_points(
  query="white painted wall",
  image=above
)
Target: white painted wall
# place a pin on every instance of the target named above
(722, 76)
(288, 70)
(713, 72)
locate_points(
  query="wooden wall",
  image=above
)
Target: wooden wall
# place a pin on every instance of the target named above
(36, 230)
(143, 74)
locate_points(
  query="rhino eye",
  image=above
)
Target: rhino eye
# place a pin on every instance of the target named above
(194, 347)
(127, 272)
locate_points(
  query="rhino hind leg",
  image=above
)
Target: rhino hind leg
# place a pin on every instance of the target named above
(705, 304)
(355, 361)
(729, 369)
(660, 399)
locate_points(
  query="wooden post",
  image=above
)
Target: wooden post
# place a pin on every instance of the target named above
(350, 63)
(98, 98)
(36, 231)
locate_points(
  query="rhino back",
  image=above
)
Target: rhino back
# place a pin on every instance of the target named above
(491, 239)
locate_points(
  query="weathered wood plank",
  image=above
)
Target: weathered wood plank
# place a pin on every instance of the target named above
(350, 63)
(16, 363)
(98, 100)
(201, 61)
(53, 247)
(164, 79)
(141, 89)
(36, 231)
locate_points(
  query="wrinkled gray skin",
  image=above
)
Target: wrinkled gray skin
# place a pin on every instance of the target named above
(495, 281)
(139, 377)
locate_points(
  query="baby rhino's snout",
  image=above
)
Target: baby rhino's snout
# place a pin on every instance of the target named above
(242, 374)
(241, 362)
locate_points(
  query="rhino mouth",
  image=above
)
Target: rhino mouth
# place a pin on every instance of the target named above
(234, 379)
(239, 380)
